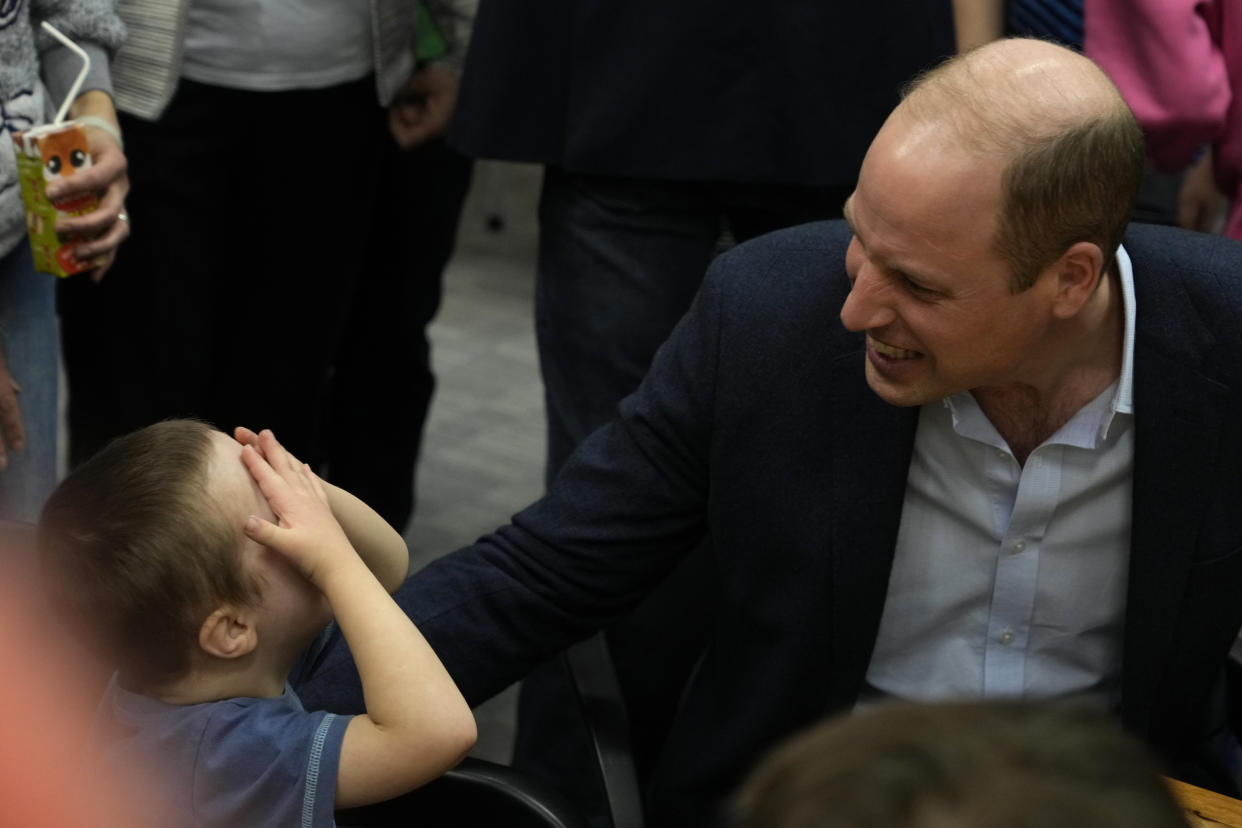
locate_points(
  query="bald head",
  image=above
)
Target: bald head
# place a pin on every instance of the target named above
(1014, 89)
(1072, 150)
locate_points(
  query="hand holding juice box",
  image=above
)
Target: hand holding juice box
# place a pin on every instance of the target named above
(45, 154)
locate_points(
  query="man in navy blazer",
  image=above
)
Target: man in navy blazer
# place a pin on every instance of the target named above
(658, 124)
(858, 415)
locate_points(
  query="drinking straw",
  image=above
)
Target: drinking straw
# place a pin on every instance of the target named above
(77, 83)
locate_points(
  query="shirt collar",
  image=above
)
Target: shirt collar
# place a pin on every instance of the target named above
(1123, 402)
(1122, 398)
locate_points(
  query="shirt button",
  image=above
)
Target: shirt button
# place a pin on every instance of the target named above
(1006, 637)
(1018, 546)
(1001, 454)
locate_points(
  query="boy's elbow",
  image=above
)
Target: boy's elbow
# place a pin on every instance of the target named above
(462, 736)
(395, 577)
(394, 569)
(454, 737)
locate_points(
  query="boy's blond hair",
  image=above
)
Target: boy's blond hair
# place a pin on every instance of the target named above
(136, 552)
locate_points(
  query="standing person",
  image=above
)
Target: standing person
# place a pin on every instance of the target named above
(1179, 65)
(254, 133)
(29, 349)
(382, 381)
(658, 127)
(661, 127)
(1162, 57)
(968, 445)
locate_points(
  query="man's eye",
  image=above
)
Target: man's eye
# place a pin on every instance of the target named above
(913, 286)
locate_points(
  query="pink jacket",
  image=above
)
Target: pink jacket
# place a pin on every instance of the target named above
(1178, 64)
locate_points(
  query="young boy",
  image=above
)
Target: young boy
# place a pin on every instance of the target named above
(205, 566)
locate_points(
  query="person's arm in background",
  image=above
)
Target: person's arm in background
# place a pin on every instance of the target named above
(1168, 61)
(977, 22)
(1200, 205)
(423, 107)
(12, 434)
(94, 27)
(1165, 59)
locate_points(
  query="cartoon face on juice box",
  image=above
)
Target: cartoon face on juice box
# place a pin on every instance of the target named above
(45, 154)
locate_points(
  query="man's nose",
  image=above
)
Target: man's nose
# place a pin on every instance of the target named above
(866, 306)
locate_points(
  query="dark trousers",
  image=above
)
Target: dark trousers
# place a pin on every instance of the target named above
(250, 213)
(619, 263)
(383, 382)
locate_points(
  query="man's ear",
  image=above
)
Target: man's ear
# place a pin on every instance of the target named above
(229, 632)
(1079, 271)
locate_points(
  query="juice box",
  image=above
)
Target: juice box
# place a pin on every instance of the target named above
(44, 154)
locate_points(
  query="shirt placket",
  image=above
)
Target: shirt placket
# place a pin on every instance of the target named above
(1017, 574)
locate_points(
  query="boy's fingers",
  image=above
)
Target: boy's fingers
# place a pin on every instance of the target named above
(245, 436)
(273, 450)
(278, 490)
(315, 483)
(260, 530)
(280, 457)
(259, 469)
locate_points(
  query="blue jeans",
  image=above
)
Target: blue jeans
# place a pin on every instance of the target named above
(28, 335)
(620, 261)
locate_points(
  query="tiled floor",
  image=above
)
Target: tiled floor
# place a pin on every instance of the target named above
(484, 446)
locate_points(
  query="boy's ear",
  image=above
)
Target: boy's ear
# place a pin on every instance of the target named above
(229, 632)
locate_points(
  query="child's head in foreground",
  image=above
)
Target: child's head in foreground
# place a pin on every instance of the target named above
(143, 552)
(959, 765)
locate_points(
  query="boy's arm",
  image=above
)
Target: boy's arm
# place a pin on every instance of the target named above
(417, 725)
(379, 545)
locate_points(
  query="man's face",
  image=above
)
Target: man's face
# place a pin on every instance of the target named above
(927, 288)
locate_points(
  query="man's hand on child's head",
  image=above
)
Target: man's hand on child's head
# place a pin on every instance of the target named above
(306, 533)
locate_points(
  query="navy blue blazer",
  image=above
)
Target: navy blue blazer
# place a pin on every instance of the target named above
(756, 426)
(701, 90)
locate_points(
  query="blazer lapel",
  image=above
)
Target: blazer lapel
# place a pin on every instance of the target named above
(873, 442)
(1178, 417)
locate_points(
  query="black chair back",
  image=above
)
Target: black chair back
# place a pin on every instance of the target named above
(476, 792)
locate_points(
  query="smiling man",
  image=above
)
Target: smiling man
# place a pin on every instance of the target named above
(968, 445)
(1035, 334)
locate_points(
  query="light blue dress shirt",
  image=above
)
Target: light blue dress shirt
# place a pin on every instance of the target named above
(1008, 580)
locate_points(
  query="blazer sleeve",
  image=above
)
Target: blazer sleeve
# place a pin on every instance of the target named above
(627, 506)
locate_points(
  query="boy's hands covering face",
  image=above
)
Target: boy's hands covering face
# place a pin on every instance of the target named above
(307, 533)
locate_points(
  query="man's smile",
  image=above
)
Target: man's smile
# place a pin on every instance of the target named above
(890, 351)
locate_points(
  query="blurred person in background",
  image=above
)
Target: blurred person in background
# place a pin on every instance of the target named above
(382, 380)
(36, 73)
(257, 133)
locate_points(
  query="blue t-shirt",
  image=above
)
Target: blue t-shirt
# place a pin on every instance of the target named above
(235, 762)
